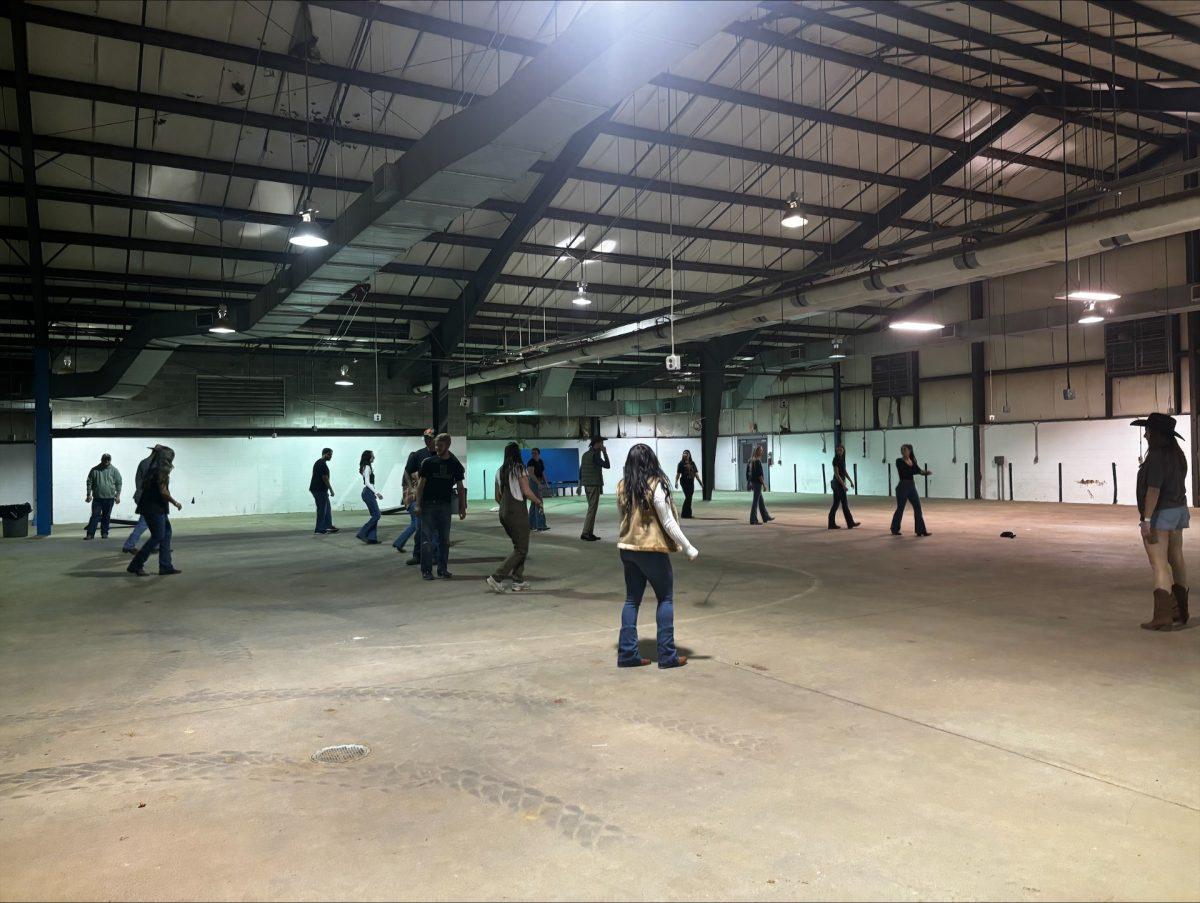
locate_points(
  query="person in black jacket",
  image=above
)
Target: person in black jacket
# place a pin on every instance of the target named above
(906, 489)
(757, 482)
(687, 475)
(838, 484)
(154, 507)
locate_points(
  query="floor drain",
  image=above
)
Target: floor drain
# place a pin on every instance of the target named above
(338, 755)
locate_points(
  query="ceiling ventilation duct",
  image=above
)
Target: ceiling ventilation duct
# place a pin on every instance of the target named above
(477, 153)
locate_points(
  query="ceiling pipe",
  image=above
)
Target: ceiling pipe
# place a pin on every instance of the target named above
(1030, 250)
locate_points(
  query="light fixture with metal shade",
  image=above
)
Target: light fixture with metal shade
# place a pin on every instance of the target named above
(222, 325)
(1090, 315)
(792, 217)
(1090, 295)
(309, 233)
(344, 376)
(581, 299)
(915, 325)
(836, 353)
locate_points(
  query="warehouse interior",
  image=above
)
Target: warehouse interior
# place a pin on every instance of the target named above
(251, 230)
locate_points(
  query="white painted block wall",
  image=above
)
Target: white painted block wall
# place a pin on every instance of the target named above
(229, 476)
(16, 473)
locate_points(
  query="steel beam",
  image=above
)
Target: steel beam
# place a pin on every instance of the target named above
(1148, 15)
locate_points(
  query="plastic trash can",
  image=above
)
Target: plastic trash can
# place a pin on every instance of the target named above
(16, 520)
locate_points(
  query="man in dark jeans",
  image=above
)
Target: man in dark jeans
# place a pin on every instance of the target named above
(412, 473)
(103, 491)
(321, 490)
(441, 474)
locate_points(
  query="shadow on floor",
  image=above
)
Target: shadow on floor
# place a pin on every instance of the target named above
(648, 648)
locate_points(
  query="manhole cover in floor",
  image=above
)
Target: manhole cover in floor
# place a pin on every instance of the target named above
(337, 755)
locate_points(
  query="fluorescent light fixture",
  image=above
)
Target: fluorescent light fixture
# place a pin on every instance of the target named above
(914, 325)
(792, 217)
(222, 325)
(745, 358)
(309, 233)
(344, 379)
(581, 299)
(1088, 295)
(1091, 315)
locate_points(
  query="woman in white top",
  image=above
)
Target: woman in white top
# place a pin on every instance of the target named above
(512, 489)
(649, 533)
(368, 533)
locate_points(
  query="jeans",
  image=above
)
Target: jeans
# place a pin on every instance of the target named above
(412, 530)
(160, 541)
(537, 516)
(906, 491)
(642, 568)
(515, 522)
(324, 511)
(839, 498)
(134, 535)
(593, 500)
(101, 512)
(369, 532)
(435, 536)
(689, 487)
(757, 506)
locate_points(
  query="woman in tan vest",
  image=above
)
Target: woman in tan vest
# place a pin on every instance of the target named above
(649, 533)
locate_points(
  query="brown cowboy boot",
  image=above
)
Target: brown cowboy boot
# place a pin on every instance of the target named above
(1164, 605)
(1181, 603)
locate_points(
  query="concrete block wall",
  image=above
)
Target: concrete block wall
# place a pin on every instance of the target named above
(16, 473)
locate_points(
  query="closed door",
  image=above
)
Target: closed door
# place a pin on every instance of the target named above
(746, 446)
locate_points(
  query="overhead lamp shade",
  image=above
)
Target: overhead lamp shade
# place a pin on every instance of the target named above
(792, 217)
(1091, 316)
(344, 377)
(1088, 295)
(222, 325)
(309, 233)
(581, 299)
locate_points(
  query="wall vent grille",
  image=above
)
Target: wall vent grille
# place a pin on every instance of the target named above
(1138, 347)
(240, 396)
(892, 374)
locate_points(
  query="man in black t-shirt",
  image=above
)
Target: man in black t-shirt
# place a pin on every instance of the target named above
(440, 475)
(321, 490)
(412, 469)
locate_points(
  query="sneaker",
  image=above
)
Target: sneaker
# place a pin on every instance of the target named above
(137, 572)
(168, 572)
(425, 575)
(333, 530)
(496, 585)
(446, 575)
(520, 586)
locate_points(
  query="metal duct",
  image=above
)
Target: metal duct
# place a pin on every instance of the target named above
(1088, 235)
(475, 154)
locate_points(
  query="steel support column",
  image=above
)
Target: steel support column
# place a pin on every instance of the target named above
(978, 393)
(714, 355)
(439, 396)
(43, 455)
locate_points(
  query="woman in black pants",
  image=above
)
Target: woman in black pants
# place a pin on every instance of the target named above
(687, 475)
(756, 477)
(838, 485)
(906, 490)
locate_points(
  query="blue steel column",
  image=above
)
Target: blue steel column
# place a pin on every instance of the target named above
(43, 442)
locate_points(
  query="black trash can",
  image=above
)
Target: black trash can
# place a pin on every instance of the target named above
(16, 520)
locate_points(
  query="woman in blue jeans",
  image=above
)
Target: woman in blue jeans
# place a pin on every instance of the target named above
(153, 506)
(368, 532)
(649, 533)
(906, 490)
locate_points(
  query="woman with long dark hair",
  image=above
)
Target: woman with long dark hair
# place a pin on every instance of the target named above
(907, 469)
(154, 507)
(1164, 515)
(687, 475)
(369, 532)
(756, 479)
(841, 479)
(512, 489)
(649, 533)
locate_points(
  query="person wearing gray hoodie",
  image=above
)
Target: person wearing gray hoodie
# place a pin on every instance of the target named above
(103, 491)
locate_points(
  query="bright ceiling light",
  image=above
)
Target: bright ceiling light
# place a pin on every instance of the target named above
(344, 378)
(1091, 315)
(309, 233)
(581, 297)
(915, 325)
(222, 325)
(836, 355)
(1088, 295)
(792, 217)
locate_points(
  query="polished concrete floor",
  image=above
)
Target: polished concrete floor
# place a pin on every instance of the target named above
(864, 716)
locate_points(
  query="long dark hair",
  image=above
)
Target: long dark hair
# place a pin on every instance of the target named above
(1158, 439)
(512, 461)
(641, 466)
(364, 460)
(912, 452)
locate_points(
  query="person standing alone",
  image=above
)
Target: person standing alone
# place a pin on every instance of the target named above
(412, 468)
(156, 497)
(368, 532)
(536, 471)
(441, 475)
(591, 478)
(907, 469)
(1163, 515)
(687, 476)
(321, 490)
(139, 479)
(512, 489)
(103, 491)
(838, 484)
(756, 477)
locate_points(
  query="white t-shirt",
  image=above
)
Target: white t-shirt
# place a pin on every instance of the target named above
(514, 483)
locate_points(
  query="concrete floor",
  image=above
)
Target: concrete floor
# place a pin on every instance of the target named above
(864, 716)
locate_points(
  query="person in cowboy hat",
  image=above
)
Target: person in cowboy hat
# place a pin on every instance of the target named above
(1163, 512)
(412, 469)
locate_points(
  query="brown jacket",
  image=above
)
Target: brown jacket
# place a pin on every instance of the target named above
(641, 529)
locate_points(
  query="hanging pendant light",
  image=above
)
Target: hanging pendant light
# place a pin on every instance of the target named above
(344, 377)
(1091, 315)
(581, 299)
(1091, 295)
(836, 353)
(792, 217)
(223, 325)
(309, 233)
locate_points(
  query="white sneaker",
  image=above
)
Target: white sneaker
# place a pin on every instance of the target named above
(520, 586)
(496, 585)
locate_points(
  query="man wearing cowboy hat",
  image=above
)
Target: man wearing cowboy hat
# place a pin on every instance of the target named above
(1163, 512)
(412, 469)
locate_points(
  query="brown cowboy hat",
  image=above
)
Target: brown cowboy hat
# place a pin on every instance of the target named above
(1158, 423)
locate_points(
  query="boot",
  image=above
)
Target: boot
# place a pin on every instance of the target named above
(1181, 603)
(1164, 605)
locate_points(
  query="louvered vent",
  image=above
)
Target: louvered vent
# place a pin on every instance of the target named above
(892, 374)
(1138, 347)
(240, 396)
